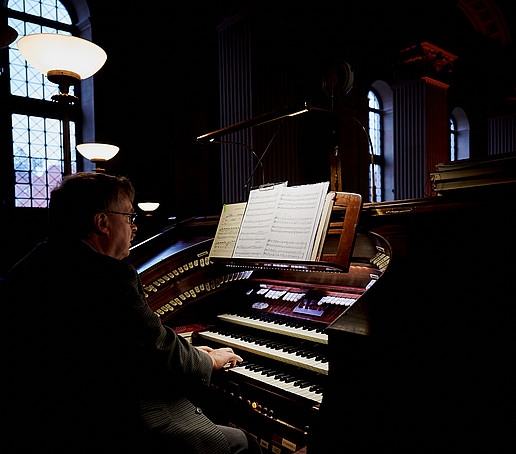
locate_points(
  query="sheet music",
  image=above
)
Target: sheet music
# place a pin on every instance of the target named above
(295, 224)
(281, 223)
(227, 230)
(322, 229)
(257, 221)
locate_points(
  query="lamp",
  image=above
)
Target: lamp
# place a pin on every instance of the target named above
(97, 152)
(65, 60)
(148, 207)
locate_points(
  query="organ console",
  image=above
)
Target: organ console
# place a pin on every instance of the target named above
(400, 351)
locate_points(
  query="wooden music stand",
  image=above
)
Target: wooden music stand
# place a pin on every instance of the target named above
(351, 204)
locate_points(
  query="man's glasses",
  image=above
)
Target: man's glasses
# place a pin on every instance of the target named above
(132, 216)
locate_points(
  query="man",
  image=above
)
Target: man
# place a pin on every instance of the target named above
(90, 367)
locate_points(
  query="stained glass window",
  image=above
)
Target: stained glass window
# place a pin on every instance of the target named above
(375, 133)
(38, 158)
(37, 139)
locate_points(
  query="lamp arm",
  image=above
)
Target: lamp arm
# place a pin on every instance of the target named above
(260, 160)
(256, 121)
(371, 155)
(224, 142)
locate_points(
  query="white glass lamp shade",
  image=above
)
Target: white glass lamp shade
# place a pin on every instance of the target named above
(97, 151)
(62, 54)
(148, 206)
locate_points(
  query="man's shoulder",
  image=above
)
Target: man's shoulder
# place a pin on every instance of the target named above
(39, 258)
(60, 257)
(92, 261)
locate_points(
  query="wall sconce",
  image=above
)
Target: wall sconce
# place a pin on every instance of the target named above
(97, 152)
(65, 60)
(148, 207)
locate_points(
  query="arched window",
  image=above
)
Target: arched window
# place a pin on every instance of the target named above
(459, 135)
(375, 133)
(453, 140)
(37, 136)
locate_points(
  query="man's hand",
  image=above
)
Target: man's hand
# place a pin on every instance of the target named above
(221, 356)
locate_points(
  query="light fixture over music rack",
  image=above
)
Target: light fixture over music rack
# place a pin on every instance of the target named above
(283, 112)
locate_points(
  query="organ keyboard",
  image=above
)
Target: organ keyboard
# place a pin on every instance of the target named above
(290, 353)
(288, 329)
(292, 384)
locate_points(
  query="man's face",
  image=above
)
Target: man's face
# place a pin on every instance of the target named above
(121, 231)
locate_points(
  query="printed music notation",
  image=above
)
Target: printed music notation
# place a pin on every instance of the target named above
(279, 222)
(227, 230)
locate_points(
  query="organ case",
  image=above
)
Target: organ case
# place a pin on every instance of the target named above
(275, 315)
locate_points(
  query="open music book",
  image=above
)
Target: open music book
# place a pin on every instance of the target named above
(278, 222)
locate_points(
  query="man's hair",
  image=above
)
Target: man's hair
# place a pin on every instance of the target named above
(76, 201)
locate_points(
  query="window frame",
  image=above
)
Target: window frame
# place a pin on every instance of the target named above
(462, 133)
(453, 134)
(379, 159)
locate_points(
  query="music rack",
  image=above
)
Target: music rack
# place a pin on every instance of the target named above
(338, 243)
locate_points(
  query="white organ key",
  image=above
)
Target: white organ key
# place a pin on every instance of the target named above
(262, 350)
(300, 333)
(273, 381)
